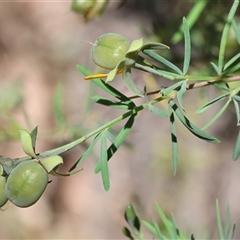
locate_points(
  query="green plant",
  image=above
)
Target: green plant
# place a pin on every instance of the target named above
(166, 228)
(146, 57)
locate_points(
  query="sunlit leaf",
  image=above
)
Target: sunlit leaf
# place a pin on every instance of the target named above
(27, 144)
(51, 162)
(187, 46)
(135, 46)
(190, 126)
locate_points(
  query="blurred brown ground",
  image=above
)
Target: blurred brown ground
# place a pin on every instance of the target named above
(41, 43)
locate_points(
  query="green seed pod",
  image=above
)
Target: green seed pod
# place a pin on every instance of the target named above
(109, 49)
(82, 6)
(26, 183)
(3, 197)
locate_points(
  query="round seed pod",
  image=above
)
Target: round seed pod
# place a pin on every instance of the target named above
(26, 183)
(109, 49)
(82, 6)
(3, 197)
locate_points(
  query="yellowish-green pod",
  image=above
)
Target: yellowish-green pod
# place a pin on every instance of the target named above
(109, 49)
(3, 197)
(82, 6)
(26, 183)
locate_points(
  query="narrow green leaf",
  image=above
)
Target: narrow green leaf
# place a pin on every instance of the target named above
(130, 84)
(191, 127)
(171, 88)
(104, 162)
(236, 105)
(236, 97)
(111, 103)
(174, 141)
(86, 153)
(236, 151)
(192, 17)
(27, 144)
(167, 223)
(234, 68)
(51, 162)
(105, 87)
(119, 140)
(159, 234)
(232, 231)
(219, 113)
(187, 46)
(152, 70)
(222, 86)
(163, 60)
(209, 104)
(150, 227)
(236, 30)
(180, 94)
(227, 223)
(217, 70)
(219, 221)
(225, 35)
(174, 228)
(232, 61)
(33, 135)
(131, 218)
(157, 111)
(154, 46)
(110, 136)
(127, 233)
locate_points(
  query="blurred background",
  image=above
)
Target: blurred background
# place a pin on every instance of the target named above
(40, 45)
